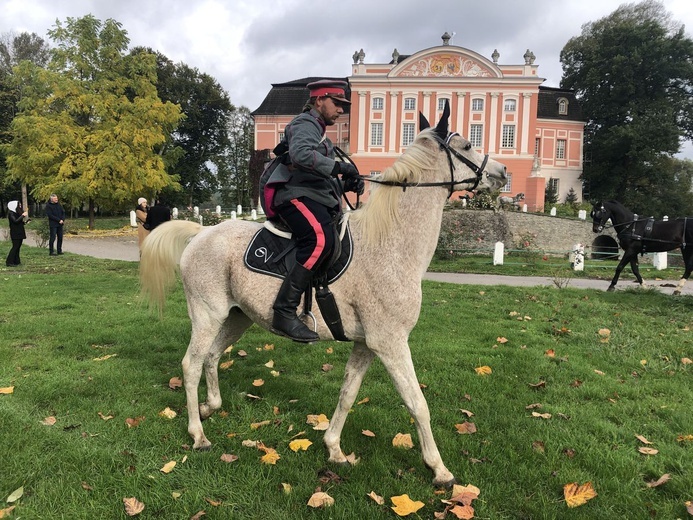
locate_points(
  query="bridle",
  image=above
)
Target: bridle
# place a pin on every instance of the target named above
(599, 215)
(450, 152)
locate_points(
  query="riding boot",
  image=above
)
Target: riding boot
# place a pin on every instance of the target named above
(285, 321)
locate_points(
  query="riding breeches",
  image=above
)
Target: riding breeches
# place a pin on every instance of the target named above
(312, 226)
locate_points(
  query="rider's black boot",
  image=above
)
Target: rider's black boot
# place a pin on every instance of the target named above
(285, 321)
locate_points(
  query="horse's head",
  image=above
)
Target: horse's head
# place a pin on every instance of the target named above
(599, 215)
(490, 174)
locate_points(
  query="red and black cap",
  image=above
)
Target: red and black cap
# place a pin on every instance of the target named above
(331, 88)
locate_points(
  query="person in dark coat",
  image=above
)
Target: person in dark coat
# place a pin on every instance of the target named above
(56, 222)
(157, 215)
(304, 192)
(16, 216)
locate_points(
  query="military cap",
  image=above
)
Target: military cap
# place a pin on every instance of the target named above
(331, 88)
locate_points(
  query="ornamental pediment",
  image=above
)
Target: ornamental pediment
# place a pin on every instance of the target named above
(445, 64)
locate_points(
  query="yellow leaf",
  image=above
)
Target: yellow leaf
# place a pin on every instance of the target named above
(258, 382)
(686, 361)
(685, 438)
(501, 340)
(268, 346)
(319, 422)
(352, 459)
(168, 467)
(49, 421)
(270, 364)
(167, 413)
(463, 512)
(7, 390)
(287, 488)
(104, 358)
(105, 417)
(576, 495)
(376, 498)
(367, 433)
(320, 499)
(15, 495)
(329, 350)
(648, 451)
(403, 505)
(133, 507)
(6, 512)
(466, 428)
(483, 371)
(403, 440)
(270, 457)
(299, 444)
(643, 362)
(364, 400)
(226, 364)
(598, 372)
(228, 349)
(256, 425)
(642, 439)
(542, 415)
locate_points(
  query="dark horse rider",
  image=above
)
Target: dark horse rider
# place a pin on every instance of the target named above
(304, 192)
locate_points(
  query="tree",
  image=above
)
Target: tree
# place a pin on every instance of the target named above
(571, 198)
(91, 126)
(202, 135)
(633, 73)
(550, 193)
(237, 187)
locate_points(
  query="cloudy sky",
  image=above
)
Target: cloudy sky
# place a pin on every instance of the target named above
(247, 45)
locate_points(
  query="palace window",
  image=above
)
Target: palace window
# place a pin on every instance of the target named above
(377, 103)
(376, 134)
(510, 105)
(560, 149)
(441, 104)
(281, 136)
(508, 185)
(409, 103)
(537, 147)
(563, 106)
(477, 105)
(407, 134)
(508, 137)
(475, 135)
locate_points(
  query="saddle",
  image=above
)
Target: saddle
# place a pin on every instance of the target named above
(272, 252)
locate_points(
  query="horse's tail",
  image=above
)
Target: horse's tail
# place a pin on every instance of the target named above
(159, 258)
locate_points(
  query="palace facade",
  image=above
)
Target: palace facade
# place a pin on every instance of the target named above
(536, 131)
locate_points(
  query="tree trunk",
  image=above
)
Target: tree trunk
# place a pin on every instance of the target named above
(25, 199)
(92, 219)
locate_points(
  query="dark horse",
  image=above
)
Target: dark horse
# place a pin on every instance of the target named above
(644, 235)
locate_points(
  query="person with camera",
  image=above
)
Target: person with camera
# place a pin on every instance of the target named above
(16, 215)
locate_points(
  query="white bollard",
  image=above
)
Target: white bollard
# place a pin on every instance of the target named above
(253, 215)
(202, 222)
(582, 214)
(578, 257)
(233, 215)
(498, 251)
(239, 210)
(196, 211)
(524, 208)
(553, 211)
(133, 218)
(660, 260)
(464, 203)
(218, 212)
(174, 213)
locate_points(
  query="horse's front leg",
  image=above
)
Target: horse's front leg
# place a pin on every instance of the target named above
(192, 372)
(635, 267)
(624, 261)
(688, 259)
(399, 365)
(359, 361)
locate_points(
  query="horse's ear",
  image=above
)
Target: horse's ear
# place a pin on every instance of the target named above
(423, 122)
(442, 126)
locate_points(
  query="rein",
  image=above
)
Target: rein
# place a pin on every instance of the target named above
(631, 224)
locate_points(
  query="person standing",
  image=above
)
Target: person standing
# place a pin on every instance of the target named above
(56, 222)
(16, 216)
(157, 215)
(304, 191)
(141, 218)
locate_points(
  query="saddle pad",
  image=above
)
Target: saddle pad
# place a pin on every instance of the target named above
(273, 255)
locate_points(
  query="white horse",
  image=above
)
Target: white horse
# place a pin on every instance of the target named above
(379, 297)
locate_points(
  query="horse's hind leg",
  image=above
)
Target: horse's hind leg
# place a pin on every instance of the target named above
(635, 267)
(399, 365)
(359, 361)
(688, 260)
(619, 268)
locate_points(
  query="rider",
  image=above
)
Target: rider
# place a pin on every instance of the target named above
(307, 198)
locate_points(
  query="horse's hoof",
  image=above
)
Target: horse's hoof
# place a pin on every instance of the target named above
(446, 484)
(611, 288)
(202, 445)
(677, 293)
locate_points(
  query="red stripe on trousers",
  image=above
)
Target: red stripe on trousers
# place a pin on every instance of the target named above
(317, 229)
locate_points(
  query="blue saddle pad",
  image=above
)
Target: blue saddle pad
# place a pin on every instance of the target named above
(273, 255)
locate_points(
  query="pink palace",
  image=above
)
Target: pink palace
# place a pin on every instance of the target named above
(536, 131)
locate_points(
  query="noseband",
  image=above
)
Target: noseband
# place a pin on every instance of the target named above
(599, 215)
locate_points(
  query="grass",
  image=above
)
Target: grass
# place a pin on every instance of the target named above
(59, 315)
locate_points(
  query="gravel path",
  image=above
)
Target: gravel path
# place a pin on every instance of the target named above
(124, 247)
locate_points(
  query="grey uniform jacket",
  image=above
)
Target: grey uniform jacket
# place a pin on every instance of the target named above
(312, 162)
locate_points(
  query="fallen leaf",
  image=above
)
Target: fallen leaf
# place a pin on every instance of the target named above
(661, 480)
(352, 459)
(228, 349)
(464, 494)
(86, 486)
(598, 372)
(226, 364)
(256, 425)
(463, 512)
(542, 415)
(214, 503)
(241, 353)
(49, 421)
(249, 443)
(228, 458)
(175, 383)
(329, 350)
(270, 364)
(643, 362)
(319, 422)
(364, 400)
(467, 412)
(270, 457)
(268, 346)
(642, 439)
(550, 353)
(176, 495)
(403, 505)
(15, 495)
(104, 358)
(133, 507)
(536, 386)
(376, 498)
(286, 488)
(403, 440)
(569, 452)
(6, 512)
(648, 451)
(466, 428)
(167, 413)
(684, 438)
(198, 515)
(327, 367)
(501, 340)
(320, 500)
(300, 444)
(367, 433)
(689, 506)
(576, 495)
(133, 423)
(686, 361)
(258, 382)
(533, 406)
(168, 467)
(483, 371)
(538, 446)
(105, 417)
(7, 390)
(604, 335)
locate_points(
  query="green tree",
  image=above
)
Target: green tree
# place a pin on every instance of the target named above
(235, 177)
(550, 193)
(91, 126)
(571, 198)
(633, 74)
(202, 135)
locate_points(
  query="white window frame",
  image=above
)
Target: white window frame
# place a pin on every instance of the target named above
(508, 136)
(281, 136)
(508, 185)
(477, 105)
(378, 103)
(409, 101)
(441, 103)
(476, 135)
(560, 148)
(510, 105)
(376, 134)
(408, 133)
(562, 106)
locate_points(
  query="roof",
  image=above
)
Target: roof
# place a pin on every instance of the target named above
(290, 97)
(547, 106)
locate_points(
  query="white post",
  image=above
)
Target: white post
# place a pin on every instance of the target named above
(498, 251)
(233, 215)
(582, 214)
(253, 215)
(196, 211)
(661, 260)
(239, 210)
(553, 211)
(174, 213)
(202, 223)
(524, 208)
(259, 207)
(464, 203)
(133, 218)
(578, 257)
(218, 211)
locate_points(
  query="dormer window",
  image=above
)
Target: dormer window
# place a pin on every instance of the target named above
(562, 106)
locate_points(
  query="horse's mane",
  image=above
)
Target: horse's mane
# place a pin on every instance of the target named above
(377, 216)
